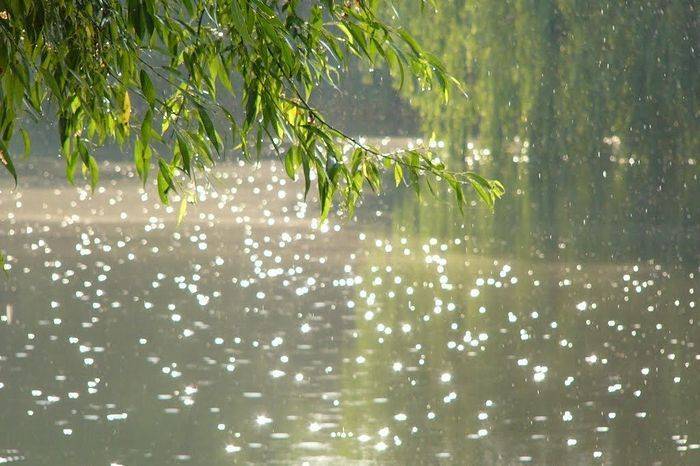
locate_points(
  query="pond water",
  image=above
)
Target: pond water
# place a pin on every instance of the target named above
(546, 333)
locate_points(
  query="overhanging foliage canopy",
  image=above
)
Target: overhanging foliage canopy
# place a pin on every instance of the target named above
(167, 75)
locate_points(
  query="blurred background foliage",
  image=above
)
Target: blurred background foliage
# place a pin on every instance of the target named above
(566, 74)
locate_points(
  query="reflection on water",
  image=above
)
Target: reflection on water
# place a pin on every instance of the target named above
(250, 333)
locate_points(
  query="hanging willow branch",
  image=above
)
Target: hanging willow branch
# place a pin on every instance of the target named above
(185, 79)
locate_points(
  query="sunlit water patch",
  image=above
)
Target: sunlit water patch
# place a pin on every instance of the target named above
(253, 333)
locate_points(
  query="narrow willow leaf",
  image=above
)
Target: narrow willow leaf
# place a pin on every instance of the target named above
(251, 106)
(182, 211)
(126, 109)
(146, 156)
(209, 128)
(410, 41)
(94, 171)
(147, 127)
(292, 161)
(163, 189)
(186, 155)
(138, 158)
(398, 173)
(223, 77)
(483, 193)
(147, 88)
(167, 173)
(6, 161)
(71, 165)
(307, 175)
(497, 188)
(27, 143)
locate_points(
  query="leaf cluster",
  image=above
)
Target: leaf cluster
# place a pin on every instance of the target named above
(182, 81)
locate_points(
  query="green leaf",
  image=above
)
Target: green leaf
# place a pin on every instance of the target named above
(167, 173)
(411, 42)
(182, 211)
(483, 194)
(306, 165)
(163, 189)
(27, 142)
(209, 128)
(126, 108)
(292, 161)
(71, 165)
(147, 127)
(371, 174)
(398, 173)
(223, 76)
(138, 149)
(186, 154)
(147, 88)
(6, 161)
(94, 171)
(497, 188)
(251, 105)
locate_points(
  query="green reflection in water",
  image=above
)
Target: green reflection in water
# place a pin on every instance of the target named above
(600, 211)
(589, 326)
(565, 74)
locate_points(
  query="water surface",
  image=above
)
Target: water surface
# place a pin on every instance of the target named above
(410, 336)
